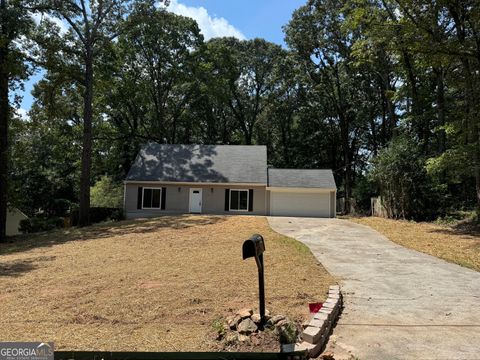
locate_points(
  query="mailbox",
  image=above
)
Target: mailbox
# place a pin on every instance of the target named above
(254, 247)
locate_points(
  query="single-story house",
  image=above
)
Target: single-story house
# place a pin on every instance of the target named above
(14, 216)
(223, 179)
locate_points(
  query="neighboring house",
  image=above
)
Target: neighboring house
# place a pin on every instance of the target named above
(223, 179)
(14, 216)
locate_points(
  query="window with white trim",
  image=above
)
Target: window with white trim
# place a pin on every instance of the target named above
(152, 198)
(239, 200)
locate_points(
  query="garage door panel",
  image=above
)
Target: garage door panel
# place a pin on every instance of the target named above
(300, 204)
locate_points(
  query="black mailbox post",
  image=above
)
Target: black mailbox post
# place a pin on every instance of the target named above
(254, 247)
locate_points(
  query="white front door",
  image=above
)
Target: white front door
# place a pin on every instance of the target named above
(195, 200)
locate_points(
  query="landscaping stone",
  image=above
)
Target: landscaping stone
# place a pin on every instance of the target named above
(330, 302)
(247, 326)
(327, 311)
(312, 334)
(243, 328)
(245, 313)
(281, 323)
(255, 318)
(234, 321)
(320, 316)
(334, 288)
(274, 320)
(313, 349)
(318, 323)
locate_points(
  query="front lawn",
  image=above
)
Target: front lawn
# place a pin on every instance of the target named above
(458, 243)
(148, 285)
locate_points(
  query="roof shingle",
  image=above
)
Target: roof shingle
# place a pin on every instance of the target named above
(200, 163)
(300, 178)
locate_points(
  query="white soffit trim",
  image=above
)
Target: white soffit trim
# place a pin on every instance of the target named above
(193, 184)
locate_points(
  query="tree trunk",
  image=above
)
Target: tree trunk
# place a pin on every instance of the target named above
(4, 117)
(84, 211)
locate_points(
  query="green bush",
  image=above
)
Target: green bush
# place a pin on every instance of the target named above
(407, 190)
(106, 193)
(99, 214)
(363, 191)
(40, 223)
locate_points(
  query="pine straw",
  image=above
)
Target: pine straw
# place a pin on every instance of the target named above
(459, 244)
(148, 285)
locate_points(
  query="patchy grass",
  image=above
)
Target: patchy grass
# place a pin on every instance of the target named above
(458, 243)
(148, 285)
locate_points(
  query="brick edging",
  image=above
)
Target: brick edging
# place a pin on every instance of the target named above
(316, 333)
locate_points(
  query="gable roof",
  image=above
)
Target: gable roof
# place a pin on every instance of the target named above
(299, 178)
(200, 163)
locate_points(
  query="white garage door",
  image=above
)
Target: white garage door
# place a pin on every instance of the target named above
(299, 204)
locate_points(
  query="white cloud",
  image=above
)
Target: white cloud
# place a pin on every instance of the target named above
(210, 26)
(38, 17)
(22, 114)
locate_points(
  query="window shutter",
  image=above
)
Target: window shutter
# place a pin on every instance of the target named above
(164, 194)
(227, 199)
(139, 197)
(250, 199)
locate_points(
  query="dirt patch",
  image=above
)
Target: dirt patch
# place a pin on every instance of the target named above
(149, 285)
(451, 243)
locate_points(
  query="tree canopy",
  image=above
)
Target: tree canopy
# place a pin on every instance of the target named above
(385, 93)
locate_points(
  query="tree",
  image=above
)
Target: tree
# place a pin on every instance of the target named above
(405, 187)
(92, 27)
(152, 85)
(325, 50)
(15, 22)
(247, 71)
(44, 171)
(107, 193)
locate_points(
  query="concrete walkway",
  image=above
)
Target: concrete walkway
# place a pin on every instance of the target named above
(399, 303)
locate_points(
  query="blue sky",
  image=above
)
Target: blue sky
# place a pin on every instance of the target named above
(245, 19)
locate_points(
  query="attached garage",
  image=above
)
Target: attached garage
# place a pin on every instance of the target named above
(308, 193)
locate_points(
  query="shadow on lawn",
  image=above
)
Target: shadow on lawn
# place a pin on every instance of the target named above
(105, 230)
(17, 267)
(469, 228)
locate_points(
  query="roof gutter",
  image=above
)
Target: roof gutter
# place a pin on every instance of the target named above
(193, 183)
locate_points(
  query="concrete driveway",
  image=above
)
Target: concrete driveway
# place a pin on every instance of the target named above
(399, 303)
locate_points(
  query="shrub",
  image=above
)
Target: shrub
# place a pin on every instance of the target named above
(363, 191)
(219, 327)
(406, 189)
(99, 214)
(288, 333)
(59, 207)
(106, 193)
(40, 223)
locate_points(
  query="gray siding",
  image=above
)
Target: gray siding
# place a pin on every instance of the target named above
(177, 199)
